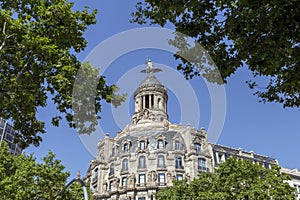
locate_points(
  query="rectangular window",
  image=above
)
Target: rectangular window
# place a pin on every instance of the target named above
(124, 181)
(202, 164)
(125, 148)
(141, 198)
(220, 158)
(142, 162)
(95, 178)
(177, 145)
(125, 165)
(9, 137)
(178, 163)
(161, 178)
(161, 161)
(142, 145)
(179, 177)
(142, 179)
(197, 147)
(160, 144)
(110, 185)
(95, 188)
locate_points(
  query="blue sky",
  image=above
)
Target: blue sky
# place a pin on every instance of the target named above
(267, 129)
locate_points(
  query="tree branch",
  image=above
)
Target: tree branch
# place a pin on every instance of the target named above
(23, 69)
(5, 36)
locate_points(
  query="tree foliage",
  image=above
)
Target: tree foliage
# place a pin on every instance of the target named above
(263, 35)
(39, 40)
(233, 180)
(22, 177)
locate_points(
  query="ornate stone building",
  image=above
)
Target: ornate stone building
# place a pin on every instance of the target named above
(151, 152)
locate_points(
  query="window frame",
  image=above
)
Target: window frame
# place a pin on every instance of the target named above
(126, 147)
(197, 147)
(160, 144)
(177, 177)
(110, 185)
(177, 145)
(202, 164)
(144, 145)
(111, 169)
(144, 179)
(142, 162)
(161, 161)
(124, 181)
(161, 178)
(124, 165)
(178, 162)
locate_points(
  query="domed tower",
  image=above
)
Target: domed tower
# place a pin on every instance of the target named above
(148, 154)
(150, 98)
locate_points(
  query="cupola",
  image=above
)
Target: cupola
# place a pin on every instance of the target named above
(150, 98)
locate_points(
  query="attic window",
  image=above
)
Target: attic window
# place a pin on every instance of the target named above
(160, 144)
(142, 145)
(125, 147)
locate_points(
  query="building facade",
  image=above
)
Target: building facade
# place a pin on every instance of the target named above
(7, 134)
(151, 152)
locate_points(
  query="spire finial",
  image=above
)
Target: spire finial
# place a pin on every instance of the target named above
(150, 69)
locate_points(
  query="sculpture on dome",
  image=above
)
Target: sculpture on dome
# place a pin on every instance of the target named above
(150, 68)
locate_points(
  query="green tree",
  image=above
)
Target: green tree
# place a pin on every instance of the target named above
(22, 177)
(262, 35)
(39, 40)
(234, 179)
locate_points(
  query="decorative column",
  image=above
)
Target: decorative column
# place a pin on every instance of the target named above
(150, 106)
(144, 102)
(136, 107)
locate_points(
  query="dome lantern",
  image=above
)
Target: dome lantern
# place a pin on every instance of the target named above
(150, 98)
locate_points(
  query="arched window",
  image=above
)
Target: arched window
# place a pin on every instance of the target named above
(142, 162)
(161, 161)
(112, 169)
(125, 165)
(197, 147)
(202, 164)
(178, 163)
